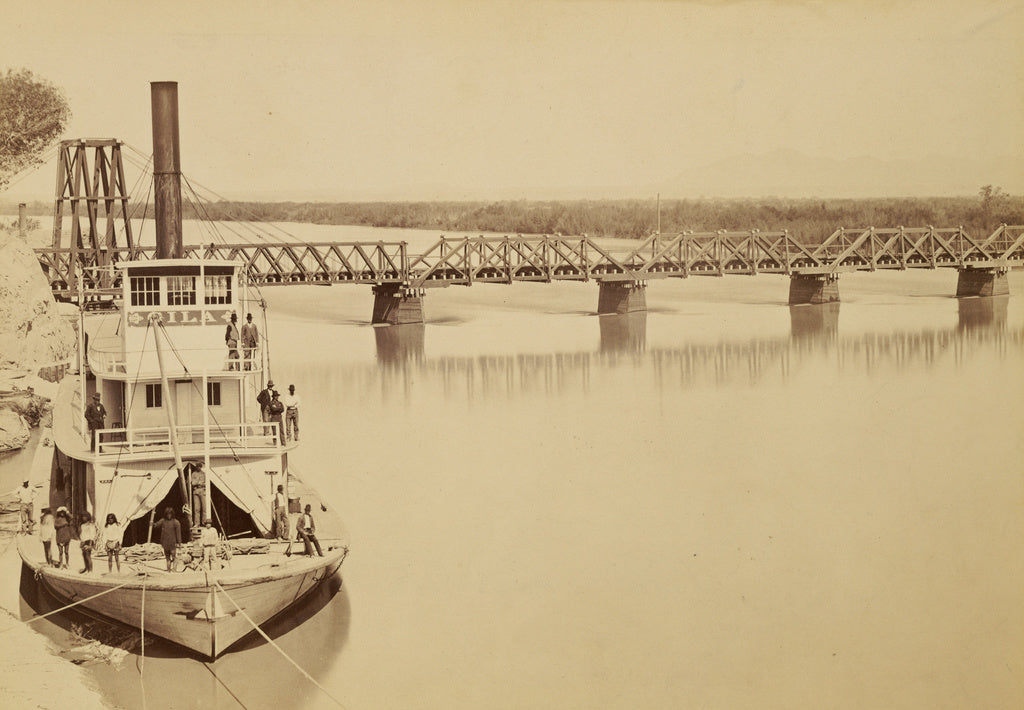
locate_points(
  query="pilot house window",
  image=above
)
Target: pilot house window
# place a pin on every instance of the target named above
(218, 289)
(145, 290)
(181, 290)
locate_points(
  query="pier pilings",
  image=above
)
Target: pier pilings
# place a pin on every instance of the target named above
(973, 281)
(621, 297)
(396, 304)
(813, 288)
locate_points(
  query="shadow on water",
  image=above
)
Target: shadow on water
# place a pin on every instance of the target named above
(313, 632)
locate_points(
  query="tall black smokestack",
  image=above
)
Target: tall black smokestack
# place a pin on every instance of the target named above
(166, 170)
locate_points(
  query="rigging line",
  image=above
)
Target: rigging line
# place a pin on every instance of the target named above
(224, 223)
(127, 417)
(204, 216)
(64, 608)
(22, 174)
(253, 215)
(225, 686)
(142, 643)
(135, 202)
(217, 423)
(211, 220)
(278, 648)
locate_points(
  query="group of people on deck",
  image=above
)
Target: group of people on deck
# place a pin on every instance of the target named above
(283, 410)
(58, 528)
(248, 337)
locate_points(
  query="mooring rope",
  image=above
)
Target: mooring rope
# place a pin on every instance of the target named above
(142, 643)
(278, 648)
(80, 601)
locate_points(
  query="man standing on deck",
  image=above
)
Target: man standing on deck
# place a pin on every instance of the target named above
(250, 340)
(291, 402)
(170, 536)
(263, 399)
(281, 513)
(198, 486)
(95, 413)
(231, 338)
(25, 500)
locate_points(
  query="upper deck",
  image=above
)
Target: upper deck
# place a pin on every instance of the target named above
(189, 302)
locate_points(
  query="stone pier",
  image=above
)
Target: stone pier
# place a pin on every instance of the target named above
(621, 297)
(813, 288)
(397, 305)
(982, 282)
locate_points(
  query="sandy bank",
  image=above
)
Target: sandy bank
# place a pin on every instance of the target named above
(32, 674)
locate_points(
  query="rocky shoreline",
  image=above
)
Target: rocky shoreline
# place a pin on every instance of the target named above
(35, 336)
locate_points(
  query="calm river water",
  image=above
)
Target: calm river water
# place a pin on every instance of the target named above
(722, 503)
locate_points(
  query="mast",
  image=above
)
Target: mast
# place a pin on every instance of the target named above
(154, 318)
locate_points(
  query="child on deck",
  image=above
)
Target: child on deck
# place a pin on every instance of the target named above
(62, 527)
(87, 540)
(112, 534)
(47, 533)
(208, 539)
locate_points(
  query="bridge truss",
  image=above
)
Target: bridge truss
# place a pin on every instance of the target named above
(463, 261)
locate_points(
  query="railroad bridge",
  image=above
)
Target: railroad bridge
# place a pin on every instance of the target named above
(83, 267)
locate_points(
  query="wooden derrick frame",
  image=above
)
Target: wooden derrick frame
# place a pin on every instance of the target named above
(84, 184)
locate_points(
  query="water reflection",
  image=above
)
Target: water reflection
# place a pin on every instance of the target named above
(399, 345)
(981, 314)
(624, 333)
(814, 334)
(814, 325)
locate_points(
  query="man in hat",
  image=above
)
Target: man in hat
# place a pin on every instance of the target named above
(275, 410)
(281, 513)
(197, 482)
(263, 399)
(231, 338)
(94, 416)
(306, 531)
(25, 499)
(291, 402)
(250, 340)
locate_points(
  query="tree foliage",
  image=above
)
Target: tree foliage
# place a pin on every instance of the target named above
(33, 114)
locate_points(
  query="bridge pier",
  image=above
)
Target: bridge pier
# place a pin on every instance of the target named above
(396, 304)
(813, 288)
(621, 297)
(982, 282)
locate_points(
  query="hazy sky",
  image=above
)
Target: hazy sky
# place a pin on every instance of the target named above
(409, 99)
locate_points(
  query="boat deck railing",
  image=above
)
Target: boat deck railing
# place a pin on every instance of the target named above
(107, 358)
(213, 437)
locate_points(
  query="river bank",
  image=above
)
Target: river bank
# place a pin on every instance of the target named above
(33, 673)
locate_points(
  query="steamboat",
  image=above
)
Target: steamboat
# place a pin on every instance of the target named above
(184, 432)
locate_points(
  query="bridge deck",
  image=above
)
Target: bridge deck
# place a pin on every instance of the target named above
(463, 261)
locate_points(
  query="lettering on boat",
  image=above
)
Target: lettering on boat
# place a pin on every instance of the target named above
(195, 316)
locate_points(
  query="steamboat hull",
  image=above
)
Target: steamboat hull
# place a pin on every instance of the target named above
(190, 609)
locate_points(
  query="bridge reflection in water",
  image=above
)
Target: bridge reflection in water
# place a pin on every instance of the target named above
(814, 332)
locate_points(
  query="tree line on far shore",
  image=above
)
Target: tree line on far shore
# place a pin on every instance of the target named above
(808, 220)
